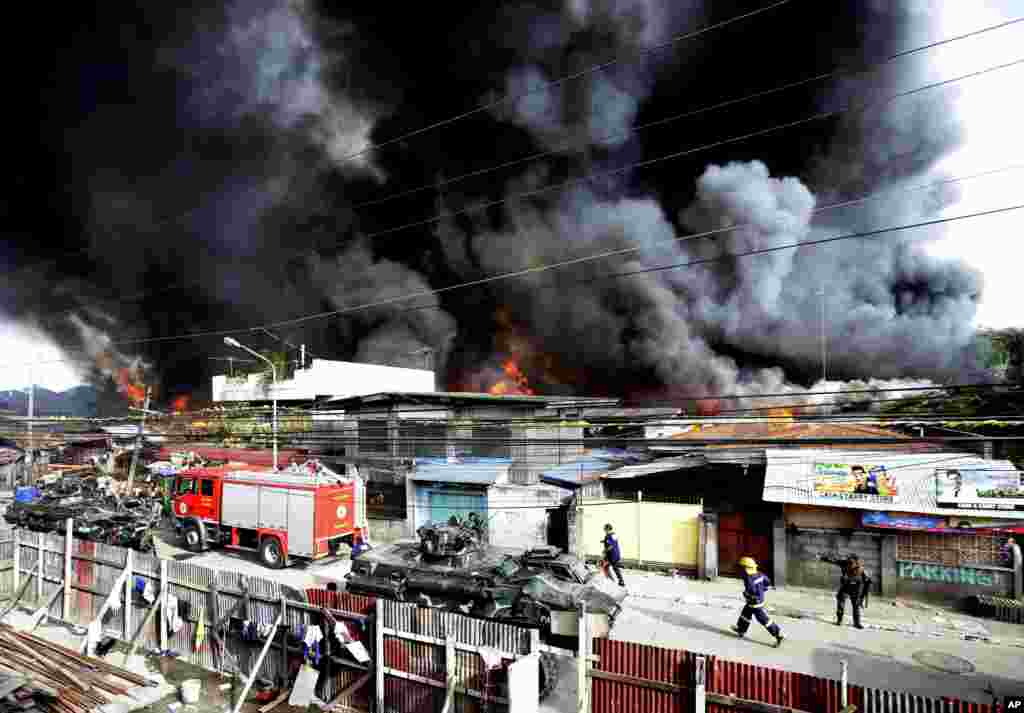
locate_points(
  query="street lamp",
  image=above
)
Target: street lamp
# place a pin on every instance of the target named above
(273, 375)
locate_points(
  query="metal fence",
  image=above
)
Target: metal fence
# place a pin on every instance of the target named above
(426, 651)
(630, 676)
(202, 594)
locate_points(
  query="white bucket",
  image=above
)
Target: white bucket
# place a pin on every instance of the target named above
(190, 690)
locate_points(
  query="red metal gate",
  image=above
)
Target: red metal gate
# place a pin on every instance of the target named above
(739, 537)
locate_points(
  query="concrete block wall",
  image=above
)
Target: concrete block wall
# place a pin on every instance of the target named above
(519, 513)
(386, 531)
(803, 569)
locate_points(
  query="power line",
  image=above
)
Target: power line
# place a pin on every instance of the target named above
(562, 80)
(838, 72)
(686, 152)
(472, 283)
(623, 251)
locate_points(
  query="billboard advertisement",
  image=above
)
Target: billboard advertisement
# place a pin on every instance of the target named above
(979, 488)
(865, 482)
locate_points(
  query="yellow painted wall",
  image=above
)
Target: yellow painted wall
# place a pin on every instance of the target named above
(651, 532)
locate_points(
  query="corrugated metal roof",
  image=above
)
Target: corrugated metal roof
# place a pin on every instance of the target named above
(663, 465)
(578, 471)
(478, 471)
(790, 478)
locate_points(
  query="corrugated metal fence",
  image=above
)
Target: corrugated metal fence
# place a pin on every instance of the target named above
(95, 568)
(650, 678)
(422, 647)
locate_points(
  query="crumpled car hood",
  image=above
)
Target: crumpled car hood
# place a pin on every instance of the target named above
(599, 593)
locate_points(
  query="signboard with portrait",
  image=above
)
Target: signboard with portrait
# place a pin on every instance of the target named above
(865, 482)
(979, 488)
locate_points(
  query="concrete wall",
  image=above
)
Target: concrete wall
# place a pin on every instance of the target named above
(327, 377)
(649, 533)
(519, 513)
(803, 569)
(948, 584)
(386, 531)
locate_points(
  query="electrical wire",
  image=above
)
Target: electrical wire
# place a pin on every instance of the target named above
(623, 251)
(835, 73)
(493, 278)
(688, 152)
(562, 80)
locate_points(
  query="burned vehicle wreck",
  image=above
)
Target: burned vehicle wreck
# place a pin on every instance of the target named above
(449, 568)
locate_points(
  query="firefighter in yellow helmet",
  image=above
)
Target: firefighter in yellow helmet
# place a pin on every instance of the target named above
(755, 585)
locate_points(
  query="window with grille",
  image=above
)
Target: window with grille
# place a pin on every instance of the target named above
(490, 442)
(423, 440)
(949, 550)
(373, 436)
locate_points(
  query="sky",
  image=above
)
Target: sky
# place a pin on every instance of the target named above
(993, 114)
(186, 167)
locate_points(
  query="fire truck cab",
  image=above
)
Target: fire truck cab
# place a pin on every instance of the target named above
(304, 510)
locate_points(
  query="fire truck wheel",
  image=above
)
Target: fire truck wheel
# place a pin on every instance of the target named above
(193, 540)
(271, 553)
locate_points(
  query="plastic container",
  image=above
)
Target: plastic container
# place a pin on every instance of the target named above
(26, 494)
(190, 690)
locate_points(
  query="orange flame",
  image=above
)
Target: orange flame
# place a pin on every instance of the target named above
(514, 383)
(180, 404)
(136, 393)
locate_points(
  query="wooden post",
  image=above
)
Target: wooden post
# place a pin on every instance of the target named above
(69, 528)
(449, 667)
(843, 683)
(582, 660)
(699, 682)
(284, 641)
(378, 653)
(129, 586)
(164, 592)
(17, 559)
(39, 568)
(256, 668)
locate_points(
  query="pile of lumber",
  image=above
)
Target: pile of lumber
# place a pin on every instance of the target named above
(39, 674)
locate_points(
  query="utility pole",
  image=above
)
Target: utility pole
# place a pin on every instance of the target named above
(31, 415)
(824, 347)
(138, 441)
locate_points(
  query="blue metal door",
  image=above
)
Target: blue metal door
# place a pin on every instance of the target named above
(443, 505)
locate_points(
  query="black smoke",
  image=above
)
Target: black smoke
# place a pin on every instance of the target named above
(198, 159)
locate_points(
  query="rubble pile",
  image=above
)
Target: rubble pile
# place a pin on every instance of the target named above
(99, 512)
(36, 674)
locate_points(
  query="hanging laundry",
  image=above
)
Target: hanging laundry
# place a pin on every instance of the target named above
(149, 592)
(174, 621)
(184, 609)
(200, 629)
(140, 584)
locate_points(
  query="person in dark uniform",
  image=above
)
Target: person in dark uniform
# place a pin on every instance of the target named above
(612, 553)
(853, 583)
(755, 585)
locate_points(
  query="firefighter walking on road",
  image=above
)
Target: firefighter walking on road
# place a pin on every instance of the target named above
(854, 583)
(755, 585)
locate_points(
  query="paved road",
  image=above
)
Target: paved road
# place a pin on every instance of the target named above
(697, 618)
(693, 615)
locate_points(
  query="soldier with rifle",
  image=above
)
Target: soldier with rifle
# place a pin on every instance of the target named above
(853, 583)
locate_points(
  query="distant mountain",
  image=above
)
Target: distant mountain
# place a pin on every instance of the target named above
(77, 401)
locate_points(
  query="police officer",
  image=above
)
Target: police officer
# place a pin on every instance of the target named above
(755, 585)
(612, 554)
(854, 583)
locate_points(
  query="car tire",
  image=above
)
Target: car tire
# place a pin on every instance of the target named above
(193, 539)
(271, 553)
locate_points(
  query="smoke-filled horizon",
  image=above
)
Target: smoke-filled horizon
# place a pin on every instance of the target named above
(202, 170)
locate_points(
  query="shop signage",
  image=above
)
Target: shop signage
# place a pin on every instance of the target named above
(863, 482)
(979, 488)
(876, 518)
(951, 575)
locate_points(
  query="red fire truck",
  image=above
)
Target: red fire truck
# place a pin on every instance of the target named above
(305, 510)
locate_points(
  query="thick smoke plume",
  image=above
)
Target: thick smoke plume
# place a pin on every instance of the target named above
(245, 209)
